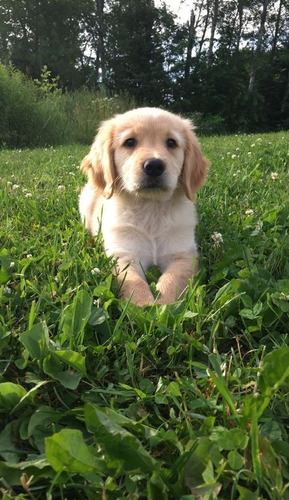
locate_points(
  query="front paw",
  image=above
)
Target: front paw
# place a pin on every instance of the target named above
(165, 299)
(138, 297)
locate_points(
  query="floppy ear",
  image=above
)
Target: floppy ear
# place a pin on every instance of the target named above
(195, 166)
(99, 164)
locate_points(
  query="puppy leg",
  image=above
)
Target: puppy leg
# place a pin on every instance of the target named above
(175, 277)
(133, 284)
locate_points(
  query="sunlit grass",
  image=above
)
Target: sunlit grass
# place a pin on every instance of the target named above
(102, 399)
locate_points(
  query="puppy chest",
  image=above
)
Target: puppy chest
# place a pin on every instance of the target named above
(146, 245)
(148, 231)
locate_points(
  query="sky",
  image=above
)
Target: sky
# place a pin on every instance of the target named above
(180, 7)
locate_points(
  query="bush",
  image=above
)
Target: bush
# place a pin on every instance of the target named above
(27, 117)
(38, 113)
(209, 124)
(87, 109)
(17, 105)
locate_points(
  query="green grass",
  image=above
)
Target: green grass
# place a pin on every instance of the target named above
(101, 399)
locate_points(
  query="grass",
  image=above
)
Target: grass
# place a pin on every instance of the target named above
(101, 399)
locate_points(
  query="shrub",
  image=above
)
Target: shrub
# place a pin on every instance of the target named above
(27, 118)
(38, 113)
(17, 104)
(85, 110)
(209, 124)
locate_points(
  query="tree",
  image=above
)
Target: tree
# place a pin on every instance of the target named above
(93, 42)
(135, 52)
(260, 37)
(231, 59)
(277, 28)
(213, 29)
(191, 39)
(37, 33)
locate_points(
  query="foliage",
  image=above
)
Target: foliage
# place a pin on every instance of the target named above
(137, 67)
(102, 399)
(230, 58)
(37, 33)
(48, 84)
(39, 114)
(26, 119)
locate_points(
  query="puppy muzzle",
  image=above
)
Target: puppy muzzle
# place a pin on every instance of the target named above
(154, 167)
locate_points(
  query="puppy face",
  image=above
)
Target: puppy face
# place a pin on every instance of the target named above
(146, 152)
(149, 152)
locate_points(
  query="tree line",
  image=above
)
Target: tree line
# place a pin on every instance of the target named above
(228, 64)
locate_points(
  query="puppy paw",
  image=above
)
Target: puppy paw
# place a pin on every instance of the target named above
(163, 300)
(140, 299)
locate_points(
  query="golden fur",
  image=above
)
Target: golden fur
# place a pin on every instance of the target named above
(143, 170)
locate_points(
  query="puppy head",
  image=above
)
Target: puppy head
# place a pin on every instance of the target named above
(147, 152)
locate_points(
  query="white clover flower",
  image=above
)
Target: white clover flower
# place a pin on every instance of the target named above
(233, 157)
(28, 195)
(217, 238)
(274, 176)
(224, 368)
(60, 187)
(29, 256)
(249, 212)
(95, 270)
(11, 265)
(7, 289)
(15, 186)
(249, 153)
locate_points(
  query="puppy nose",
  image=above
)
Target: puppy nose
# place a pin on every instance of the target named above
(154, 167)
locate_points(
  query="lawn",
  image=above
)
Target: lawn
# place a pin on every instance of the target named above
(100, 399)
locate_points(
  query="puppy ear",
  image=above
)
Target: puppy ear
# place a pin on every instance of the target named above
(195, 166)
(99, 164)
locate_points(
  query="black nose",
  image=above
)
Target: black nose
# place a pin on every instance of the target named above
(154, 167)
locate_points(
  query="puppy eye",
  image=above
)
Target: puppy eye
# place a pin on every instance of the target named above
(171, 143)
(130, 143)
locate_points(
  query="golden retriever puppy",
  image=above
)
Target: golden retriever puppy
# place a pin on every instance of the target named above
(143, 170)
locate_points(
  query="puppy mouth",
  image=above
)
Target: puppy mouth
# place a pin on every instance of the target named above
(152, 186)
